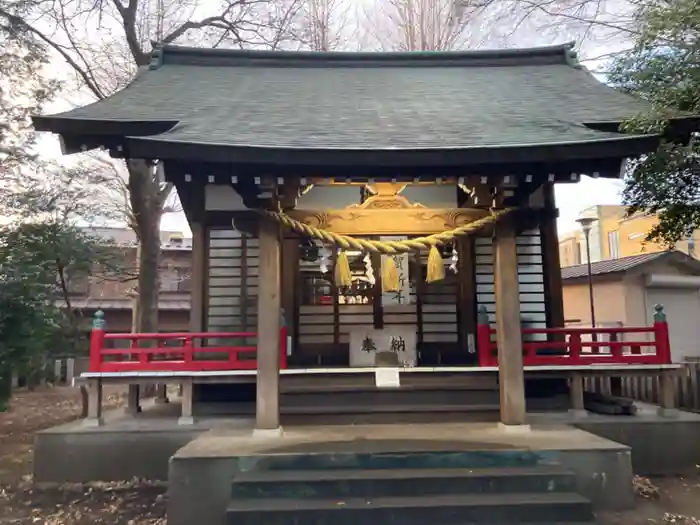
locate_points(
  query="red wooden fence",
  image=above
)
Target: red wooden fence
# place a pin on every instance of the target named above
(181, 354)
(567, 346)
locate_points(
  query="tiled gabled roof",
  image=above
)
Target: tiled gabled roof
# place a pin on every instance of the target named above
(444, 101)
(622, 264)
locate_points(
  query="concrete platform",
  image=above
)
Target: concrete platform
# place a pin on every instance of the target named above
(661, 446)
(144, 443)
(201, 472)
(123, 448)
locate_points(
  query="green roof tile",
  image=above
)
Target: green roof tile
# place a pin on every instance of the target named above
(360, 101)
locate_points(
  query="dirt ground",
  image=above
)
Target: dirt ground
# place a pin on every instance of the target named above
(668, 500)
(130, 503)
(661, 500)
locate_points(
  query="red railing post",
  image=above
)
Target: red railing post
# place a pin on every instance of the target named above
(663, 343)
(615, 345)
(97, 338)
(188, 349)
(575, 348)
(483, 338)
(283, 348)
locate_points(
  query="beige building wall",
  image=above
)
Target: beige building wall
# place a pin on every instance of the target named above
(618, 236)
(631, 235)
(637, 310)
(609, 300)
(616, 303)
(627, 300)
(570, 250)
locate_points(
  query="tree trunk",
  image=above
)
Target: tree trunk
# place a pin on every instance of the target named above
(147, 200)
(149, 278)
(5, 387)
(147, 208)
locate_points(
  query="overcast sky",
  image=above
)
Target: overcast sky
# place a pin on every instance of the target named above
(571, 198)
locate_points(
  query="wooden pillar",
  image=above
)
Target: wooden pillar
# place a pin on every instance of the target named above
(289, 289)
(667, 394)
(161, 394)
(186, 415)
(57, 371)
(133, 396)
(377, 304)
(550, 261)
(133, 400)
(578, 408)
(70, 371)
(199, 277)
(94, 406)
(267, 410)
(466, 277)
(417, 269)
(508, 328)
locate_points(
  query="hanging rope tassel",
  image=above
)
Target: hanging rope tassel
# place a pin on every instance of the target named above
(343, 277)
(436, 269)
(390, 275)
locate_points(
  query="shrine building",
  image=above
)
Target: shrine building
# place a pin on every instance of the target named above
(384, 216)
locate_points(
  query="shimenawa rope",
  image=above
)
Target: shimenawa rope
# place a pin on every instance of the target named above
(435, 271)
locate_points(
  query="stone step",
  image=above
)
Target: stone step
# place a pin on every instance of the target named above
(513, 508)
(366, 381)
(359, 408)
(394, 454)
(365, 417)
(400, 482)
(418, 399)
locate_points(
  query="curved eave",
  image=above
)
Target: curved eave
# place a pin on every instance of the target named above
(678, 127)
(590, 151)
(98, 127)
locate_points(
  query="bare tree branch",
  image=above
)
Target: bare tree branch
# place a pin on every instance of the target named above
(580, 15)
(84, 74)
(128, 15)
(322, 24)
(105, 42)
(424, 25)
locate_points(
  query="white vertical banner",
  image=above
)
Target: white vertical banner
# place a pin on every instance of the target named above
(403, 296)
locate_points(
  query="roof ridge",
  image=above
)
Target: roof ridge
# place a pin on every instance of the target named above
(608, 266)
(625, 258)
(169, 54)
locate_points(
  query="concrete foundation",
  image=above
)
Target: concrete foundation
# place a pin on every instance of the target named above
(661, 446)
(201, 459)
(124, 447)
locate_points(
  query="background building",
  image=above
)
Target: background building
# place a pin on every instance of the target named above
(116, 296)
(625, 291)
(613, 235)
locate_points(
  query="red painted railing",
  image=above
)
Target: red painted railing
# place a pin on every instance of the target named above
(579, 346)
(181, 354)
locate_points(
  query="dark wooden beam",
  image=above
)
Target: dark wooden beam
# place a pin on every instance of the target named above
(504, 173)
(377, 305)
(290, 290)
(200, 277)
(288, 193)
(420, 291)
(466, 308)
(550, 259)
